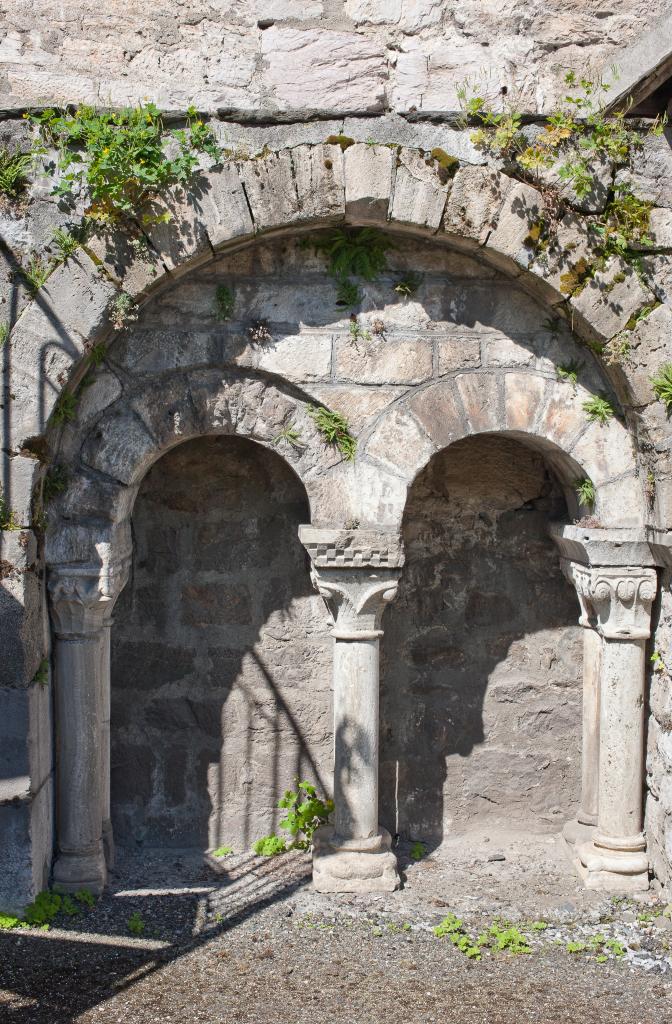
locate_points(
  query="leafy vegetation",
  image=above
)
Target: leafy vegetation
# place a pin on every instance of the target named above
(124, 311)
(55, 482)
(408, 285)
(357, 332)
(569, 372)
(291, 435)
(36, 272)
(41, 677)
(13, 172)
(353, 252)
(65, 243)
(598, 409)
(135, 923)
(305, 813)
(418, 850)
(8, 921)
(4, 332)
(662, 385)
(8, 517)
(585, 492)
(335, 430)
(65, 409)
(122, 159)
(453, 928)
(222, 851)
(225, 302)
(348, 294)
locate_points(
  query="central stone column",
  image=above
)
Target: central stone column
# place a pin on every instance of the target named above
(356, 572)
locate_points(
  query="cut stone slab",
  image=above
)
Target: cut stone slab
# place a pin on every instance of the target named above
(609, 299)
(419, 196)
(369, 173)
(475, 199)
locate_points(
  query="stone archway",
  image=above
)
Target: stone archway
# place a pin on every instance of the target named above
(357, 565)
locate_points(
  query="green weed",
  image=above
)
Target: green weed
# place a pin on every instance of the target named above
(598, 409)
(585, 492)
(335, 430)
(225, 302)
(135, 923)
(661, 385)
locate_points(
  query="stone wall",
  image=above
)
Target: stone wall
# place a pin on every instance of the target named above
(282, 58)
(221, 679)
(481, 668)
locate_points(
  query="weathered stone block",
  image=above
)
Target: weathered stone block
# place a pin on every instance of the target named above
(120, 446)
(369, 173)
(132, 262)
(400, 444)
(458, 353)
(650, 347)
(605, 451)
(270, 189)
(320, 182)
(562, 418)
(439, 411)
(182, 240)
(384, 361)
(520, 214)
(222, 205)
(523, 399)
(482, 399)
(609, 299)
(21, 624)
(419, 197)
(299, 357)
(475, 199)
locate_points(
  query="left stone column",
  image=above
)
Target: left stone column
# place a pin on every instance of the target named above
(356, 572)
(80, 609)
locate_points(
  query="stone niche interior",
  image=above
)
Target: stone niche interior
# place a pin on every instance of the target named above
(221, 672)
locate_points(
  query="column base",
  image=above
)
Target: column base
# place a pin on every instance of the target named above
(609, 870)
(81, 870)
(353, 865)
(108, 844)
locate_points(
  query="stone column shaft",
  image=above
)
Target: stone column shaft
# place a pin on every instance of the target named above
(356, 572)
(105, 698)
(590, 746)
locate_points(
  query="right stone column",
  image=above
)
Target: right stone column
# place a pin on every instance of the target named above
(616, 858)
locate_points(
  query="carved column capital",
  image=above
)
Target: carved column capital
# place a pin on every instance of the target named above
(579, 577)
(82, 598)
(622, 597)
(357, 573)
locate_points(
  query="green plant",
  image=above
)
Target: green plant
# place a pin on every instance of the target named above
(8, 517)
(569, 372)
(222, 851)
(43, 909)
(36, 272)
(418, 850)
(353, 252)
(625, 222)
(68, 907)
(348, 294)
(503, 937)
(539, 926)
(96, 354)
(599, 409)
(85, 897)
(8, 921)
(453, 928)
(41, 677)
(577, 946)
(291, 435)
(65, 409)
(408, 285)
(224, 302)
(122, 158)
(4, 332)
(13, 176)
(662, 385)
(357, 332)
(335, 430)
(55, 482)
(616, 947)
(344, 141)
(135, 923)
(123, 311)
(270, 846)
(65, 243)
(305, 813)
(585, 491)
(658, 662)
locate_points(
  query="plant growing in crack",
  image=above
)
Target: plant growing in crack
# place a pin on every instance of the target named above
(569, 372)
(225, 301)
(306, 811)
(65, 409)
(585, 492)
(14, 169)
(291, 436)
(357, 332)
(599, 409)
(661, 385)
(348, 294)
(335, 430)
(408, 285)
(66, 244)
(124, 311)
(36, 272)
(55, 483)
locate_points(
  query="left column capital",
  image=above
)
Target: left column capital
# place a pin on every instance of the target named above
(82, 597)
(357, 573)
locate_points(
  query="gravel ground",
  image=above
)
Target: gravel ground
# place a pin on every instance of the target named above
(248, 941)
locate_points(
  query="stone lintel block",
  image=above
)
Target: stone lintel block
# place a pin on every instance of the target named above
(384, 361)
(620, 503)
(297, 357)
(605, 451)
(320, 183)
(377, 495)
(609, 299)
(181, 241)
(352, 549)
(369, 172)
(599, 547)
(221, 202)
(474, 202)
(519, 214)
(419, 196)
